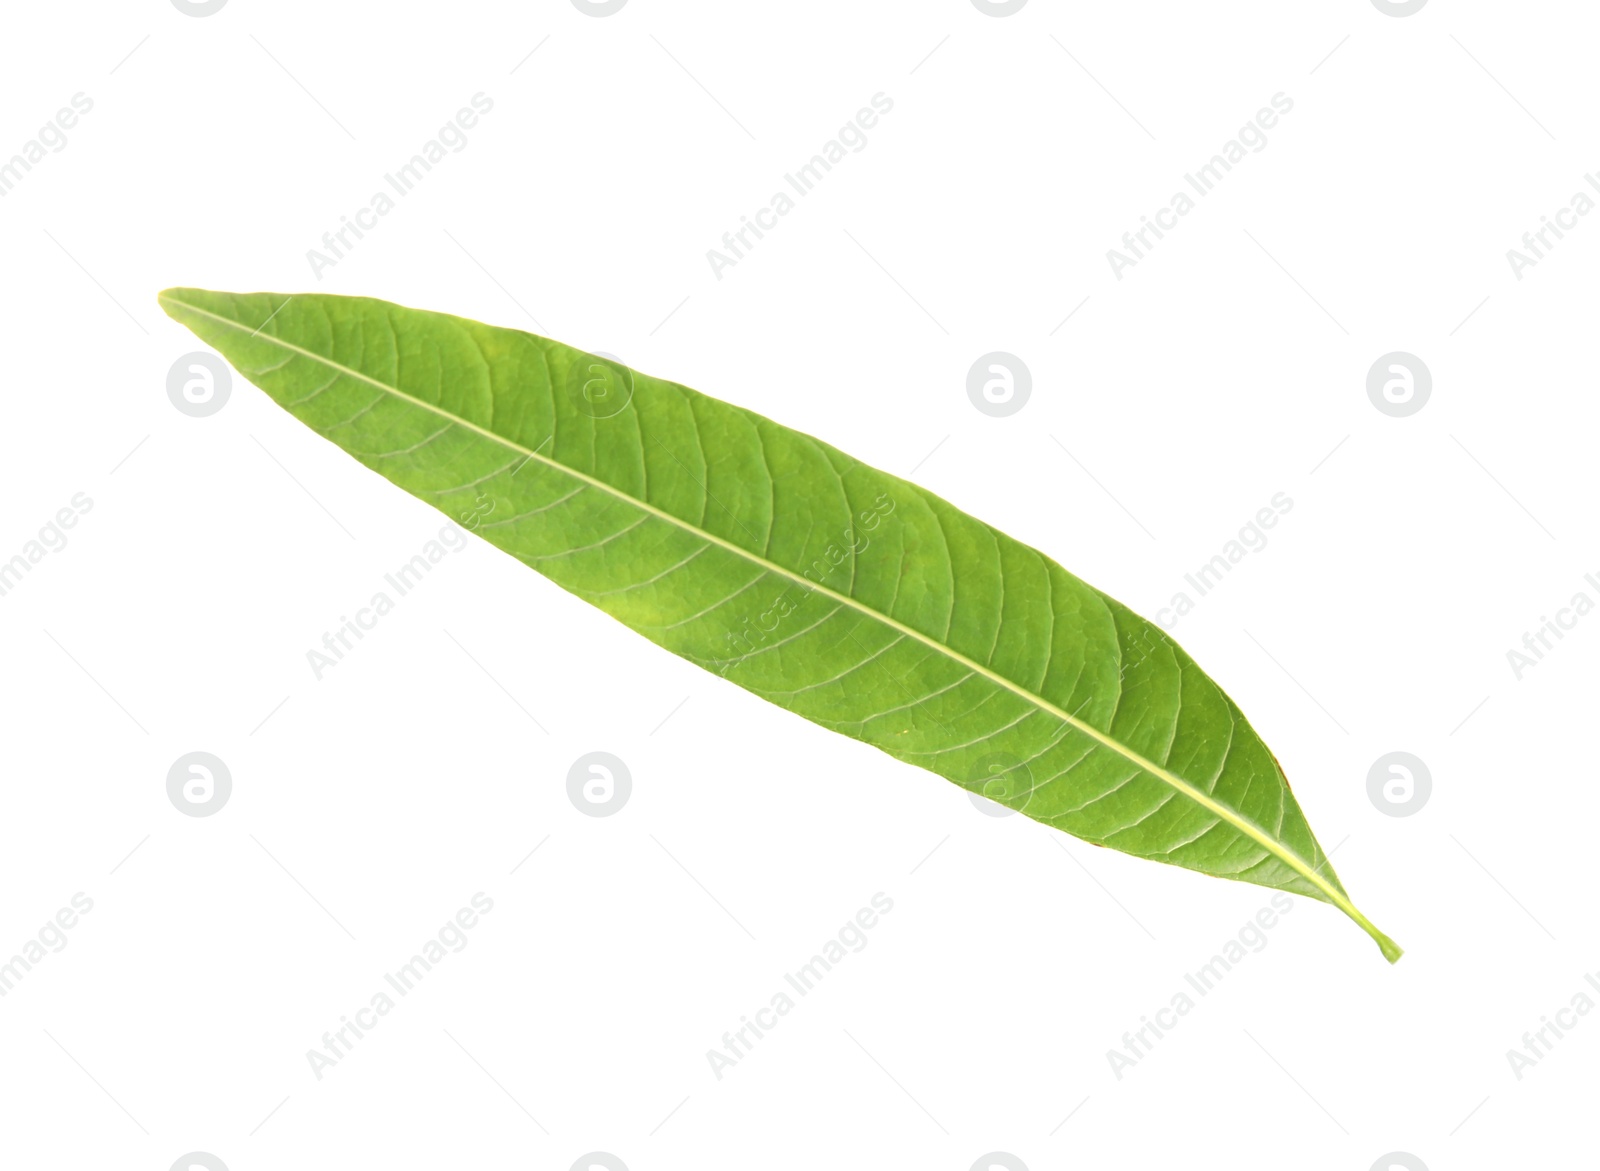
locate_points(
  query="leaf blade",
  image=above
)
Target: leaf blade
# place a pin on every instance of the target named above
(689, 543)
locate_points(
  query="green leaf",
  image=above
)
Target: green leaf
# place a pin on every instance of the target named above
(848, 596)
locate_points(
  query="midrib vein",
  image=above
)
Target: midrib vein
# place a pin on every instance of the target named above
(1195, 794)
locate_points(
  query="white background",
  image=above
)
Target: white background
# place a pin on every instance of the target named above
(368, 806)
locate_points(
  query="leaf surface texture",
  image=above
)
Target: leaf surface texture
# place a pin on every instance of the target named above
(846, 595)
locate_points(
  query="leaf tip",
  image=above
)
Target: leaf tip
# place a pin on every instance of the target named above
(173, 298)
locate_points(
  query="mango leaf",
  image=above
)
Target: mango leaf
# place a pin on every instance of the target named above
(845, 595)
